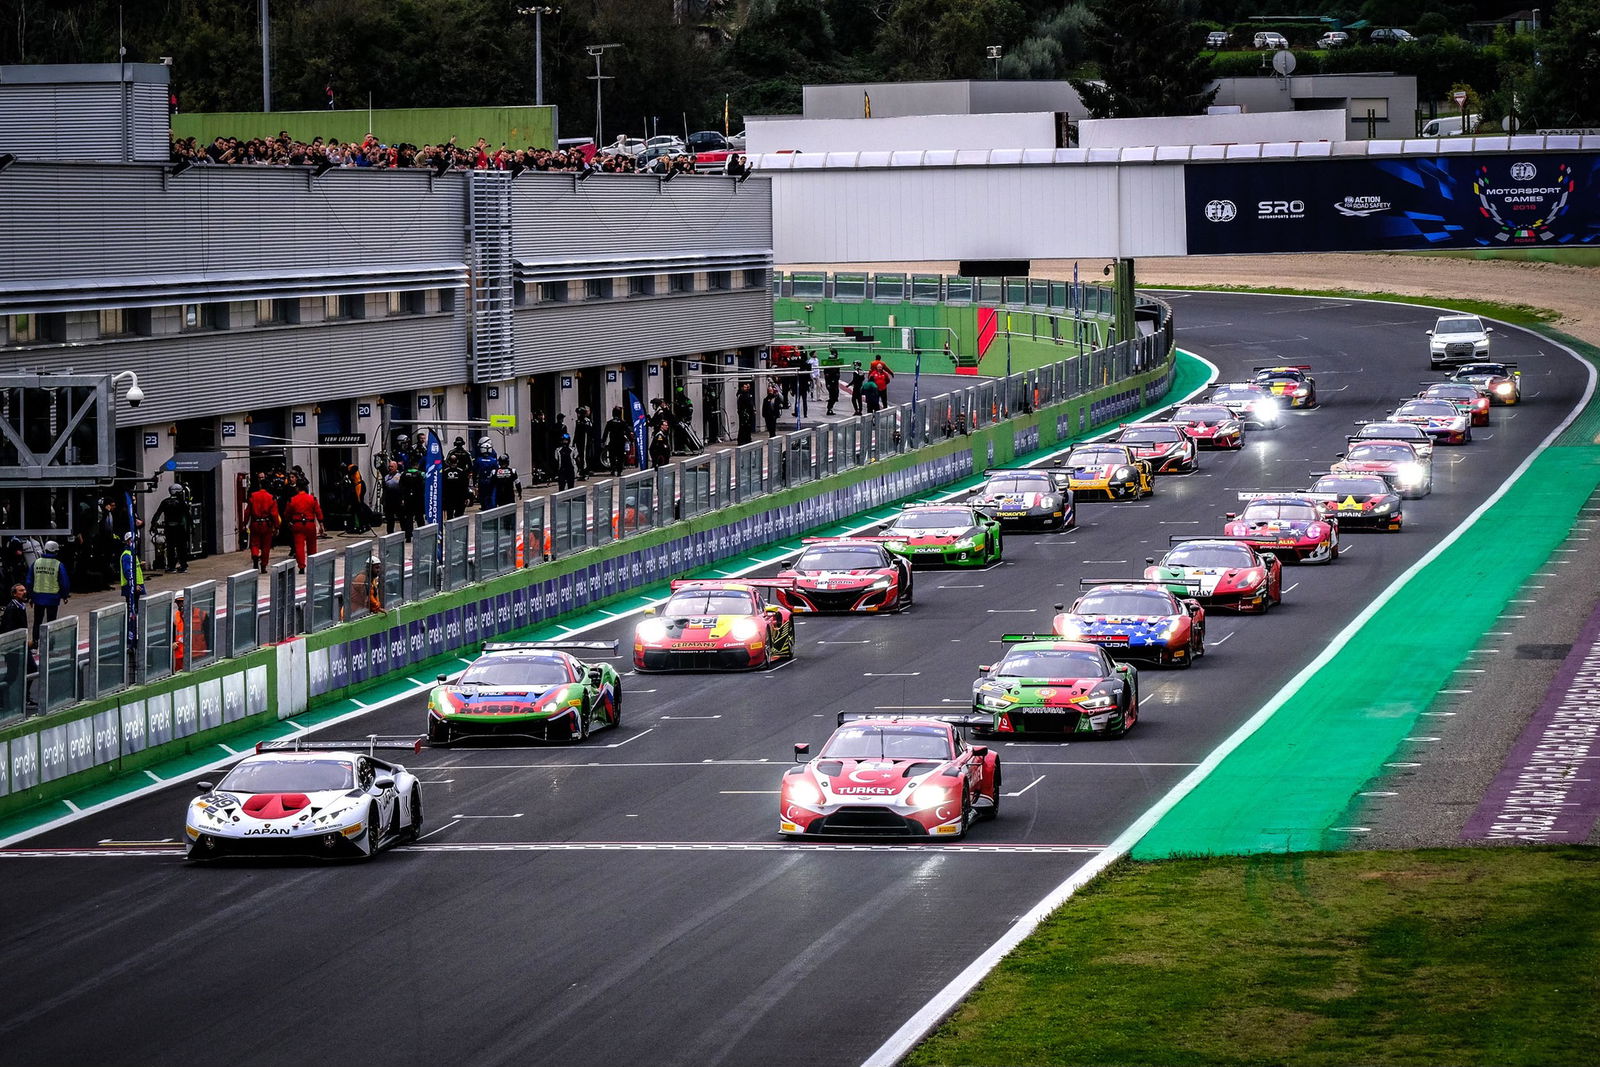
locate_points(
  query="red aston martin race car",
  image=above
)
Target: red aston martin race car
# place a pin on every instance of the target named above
(891, 776)
(1211, 425)
(716, 624)
(1290, 383)
(1286, 524)
(848, 574)
(1165, 446)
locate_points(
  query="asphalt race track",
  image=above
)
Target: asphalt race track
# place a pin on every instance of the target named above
(628, 901)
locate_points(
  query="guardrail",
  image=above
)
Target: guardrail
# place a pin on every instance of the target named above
(882, 287)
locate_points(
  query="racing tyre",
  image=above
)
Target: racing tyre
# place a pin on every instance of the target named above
(993, 810)
(966, 813)
(414, 827)
(584, 715)
(616, 704)
(1466, 438)
(375, 829)
(438, 734)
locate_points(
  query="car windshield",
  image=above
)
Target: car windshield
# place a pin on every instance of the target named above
(1279, 376)
(517, 670)
(1202, 413)
(1392, 429)
(709, 602)
(1458, 326)
(1149, 434)
(1051, 663)
(1125, 602)
(289, 776)
(1428, 407)
(1464, 392)
(1210, 555)
(1019, 483)
(1259, 513)
(839, 558)
(871, 741)
(932, 519)
(1492, 370)
(1379, 452)
(1344, 485)
(1096, 457)
(1236, 392)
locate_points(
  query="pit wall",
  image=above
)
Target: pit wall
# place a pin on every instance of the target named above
(50, 758)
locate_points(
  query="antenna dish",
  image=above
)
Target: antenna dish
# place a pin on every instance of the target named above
(1283, 62)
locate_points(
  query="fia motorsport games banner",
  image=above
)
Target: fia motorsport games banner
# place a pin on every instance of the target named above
(1500, 201)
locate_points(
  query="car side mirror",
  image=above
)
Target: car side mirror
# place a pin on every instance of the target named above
(649, 611)
(1061, 607)
(383, 784)
(1230, 514)
(1428, 332)
(773, 609)
(595, 674)
(1339, 455)
(203, 787)
(985, 668)
(442, 678)
(801, 751)
(1149, 559)
(1488, 329)
(980, 751)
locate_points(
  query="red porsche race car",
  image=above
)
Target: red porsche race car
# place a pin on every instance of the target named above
(1468, 399)
(1164, 445)
(891, 776)
(1136, 619)
(846, 574)
(715, 624)
(1290, 383)
(1287, 524)
(1210, 425)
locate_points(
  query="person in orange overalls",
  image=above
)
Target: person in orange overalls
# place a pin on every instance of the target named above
(180, 627)
(304, 517)
(264, 523)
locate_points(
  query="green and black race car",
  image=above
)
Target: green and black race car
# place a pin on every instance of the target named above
(1049, 687)
(944, 535)
(534, 689)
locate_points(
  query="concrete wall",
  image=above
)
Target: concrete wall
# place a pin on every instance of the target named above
(897, 99)
(1250, 128)
(1396, 94)
(911, 132)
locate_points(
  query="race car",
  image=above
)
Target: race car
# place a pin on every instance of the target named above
(944, 535)
(1027, 496)
(326, 799)
(1046, 687)
(846, 574)
(1396, 462)
(1359, 500)
(1410, 433)
(1134, 619)
(532, 689)
(1290, 383)
(1166, 447)
(1231, 573)
(1109, 469)
(1501, 381)
(1210, 425)
(1252, 404)
(1468, 399)
(891, 776)
(1289, 525)
(715, 624)
(1439, 419)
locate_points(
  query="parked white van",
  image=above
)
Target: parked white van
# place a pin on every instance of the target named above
(1449, 126)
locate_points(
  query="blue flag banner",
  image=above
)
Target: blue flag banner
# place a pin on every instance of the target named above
(433, 474)
(641, 432)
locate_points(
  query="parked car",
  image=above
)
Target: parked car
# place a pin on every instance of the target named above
(1333, 39)
(670, 142)
(1450, 126)
(1387, 35)
(1217, 39)
(707, 141)
(1268, 39)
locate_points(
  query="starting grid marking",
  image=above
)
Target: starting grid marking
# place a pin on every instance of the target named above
(910, 848)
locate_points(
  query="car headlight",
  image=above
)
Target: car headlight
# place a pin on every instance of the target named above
(882, 583)
(1411, 473)
(966, 544)
(1094, 703)
(1379, 509)
(995, 701)
(930, 796)
(744, 629)
(803, 791)
(1069, 628)
(1123, 474)
(1504, 389)
(652, 630)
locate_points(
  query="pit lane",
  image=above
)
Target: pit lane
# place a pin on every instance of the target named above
(638, 877)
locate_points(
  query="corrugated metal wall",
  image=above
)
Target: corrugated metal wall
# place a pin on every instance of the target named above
(555, 336)
(83, 121)
(555, 217)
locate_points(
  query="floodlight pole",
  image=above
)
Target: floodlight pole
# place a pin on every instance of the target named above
(266, 56)
(598, 51)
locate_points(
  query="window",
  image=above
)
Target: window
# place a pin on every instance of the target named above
(755, 279)
(346, 306)
(447, 300)
(191, 316)
(519, 294)
(642, 285)
(272, 312)
(719, 279)
(52, 327)
(1378, 105)
(141, 322)
(552, 292)
(23, 329)
(680, 283)
(597, 289)
(112, 323)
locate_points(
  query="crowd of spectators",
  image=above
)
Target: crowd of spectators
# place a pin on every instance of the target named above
(284, 150)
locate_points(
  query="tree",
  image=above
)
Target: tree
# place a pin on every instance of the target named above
(1148, 62)
(1055, 48)
(947, 38)
(1566, 87)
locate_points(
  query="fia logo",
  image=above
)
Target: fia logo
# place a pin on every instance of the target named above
(1523, 172)
(1221, 211)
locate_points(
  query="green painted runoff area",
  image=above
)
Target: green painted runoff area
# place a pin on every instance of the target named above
(1189, 376)
(1287, 785)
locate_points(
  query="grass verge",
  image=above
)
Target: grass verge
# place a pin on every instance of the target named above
(1586, 256)
(1459, 956)
(1519, 314)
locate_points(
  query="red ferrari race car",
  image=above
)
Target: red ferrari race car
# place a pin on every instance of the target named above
(1231, 572)
(716, 624)
(1287, 524)
(1210, 425)
(846, 574)
(891, 776)
(1468, 399)
(1501, 381)
(1164, 445)
(1290, 383)
(1134, 619)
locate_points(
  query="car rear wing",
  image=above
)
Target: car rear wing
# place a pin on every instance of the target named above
(1511, 366)
(847, 539)
(371, 743)
(1054, 472)
(1179, 539)
(1282, 366)
(727, 583)
(965, 720)
(1273, 494)
(1351, 440)
(559, 646)
(1161, 583)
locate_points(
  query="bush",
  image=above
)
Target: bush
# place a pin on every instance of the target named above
(1259, 64)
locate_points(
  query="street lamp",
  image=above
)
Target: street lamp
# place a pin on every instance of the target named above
(538, 13)
(994, 52)
(598, 50)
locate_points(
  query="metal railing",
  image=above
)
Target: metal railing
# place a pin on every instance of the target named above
(884, 287)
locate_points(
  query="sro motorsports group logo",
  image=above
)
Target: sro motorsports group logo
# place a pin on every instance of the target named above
(1221, 211)
(1281, 209)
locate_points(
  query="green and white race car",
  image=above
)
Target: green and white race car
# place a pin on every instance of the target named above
(944, 535)
(1049, 686)
(536, 690)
